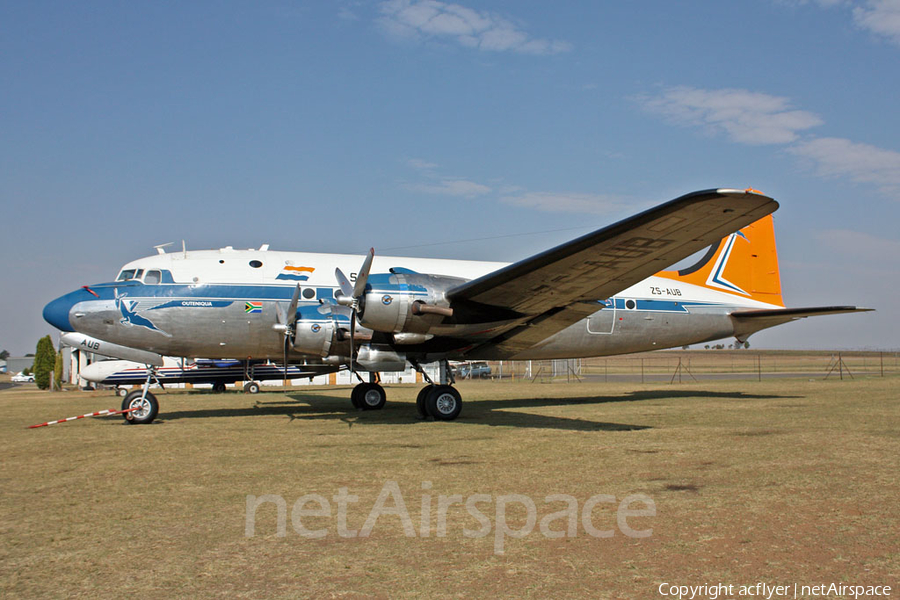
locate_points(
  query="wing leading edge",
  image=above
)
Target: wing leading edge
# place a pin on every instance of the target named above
(553, 289)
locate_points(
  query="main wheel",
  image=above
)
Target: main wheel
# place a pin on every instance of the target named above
(251, 387)
(421, 405)
(219, 387)
(372, 397)
(443, 403)
(355, 396)
(121, 392)
(147, 410)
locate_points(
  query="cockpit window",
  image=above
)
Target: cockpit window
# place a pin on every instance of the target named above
(129, 274)
(152, 277)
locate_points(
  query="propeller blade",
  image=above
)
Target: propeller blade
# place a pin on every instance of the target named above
(360, 288)
(292, 311)
(284, 362)
(343, 283)
(352, 341)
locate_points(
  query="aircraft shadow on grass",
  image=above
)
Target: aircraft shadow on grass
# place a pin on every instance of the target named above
(495, 413)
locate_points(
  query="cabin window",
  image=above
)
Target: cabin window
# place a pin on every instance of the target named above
(139, 273)
(152, 277)
(255, 264)
(630, 304)
(309, 293)
(125, 275)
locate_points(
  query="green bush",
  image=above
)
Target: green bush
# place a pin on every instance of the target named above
(44, 360)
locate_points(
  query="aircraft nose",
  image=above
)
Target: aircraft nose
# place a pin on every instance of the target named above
(57, 312)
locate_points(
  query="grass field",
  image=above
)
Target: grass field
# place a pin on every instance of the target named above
(787, 481)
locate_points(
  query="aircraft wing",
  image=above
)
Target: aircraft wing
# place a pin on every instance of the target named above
(553, 289)
(747, 322)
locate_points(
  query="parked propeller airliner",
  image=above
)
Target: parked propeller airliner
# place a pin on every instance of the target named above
(601, 294)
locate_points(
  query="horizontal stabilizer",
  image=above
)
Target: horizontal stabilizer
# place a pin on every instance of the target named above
(748, 322)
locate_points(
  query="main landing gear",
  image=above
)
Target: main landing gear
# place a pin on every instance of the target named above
(441, 401)
(368, 396)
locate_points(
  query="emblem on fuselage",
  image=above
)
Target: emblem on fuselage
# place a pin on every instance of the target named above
(295, 273)
(130, 316)
(386, 300)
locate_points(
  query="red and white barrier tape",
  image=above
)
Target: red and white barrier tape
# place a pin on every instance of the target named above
(99, 413)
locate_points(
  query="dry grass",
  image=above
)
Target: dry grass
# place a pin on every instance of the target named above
(781, 481)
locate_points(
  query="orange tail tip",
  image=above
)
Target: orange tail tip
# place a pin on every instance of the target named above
(744, 264)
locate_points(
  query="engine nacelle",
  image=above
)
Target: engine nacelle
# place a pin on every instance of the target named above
(405, 302)
(314, 331)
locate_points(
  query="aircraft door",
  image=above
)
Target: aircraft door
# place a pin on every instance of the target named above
(603, 322)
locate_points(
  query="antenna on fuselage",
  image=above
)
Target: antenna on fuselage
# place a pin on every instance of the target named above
(183, 248)
(161, 249)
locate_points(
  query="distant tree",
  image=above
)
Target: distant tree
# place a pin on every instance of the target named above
(29, 355)
(747, 345)
(685, 347)
(44, 359)
(706, 346)
(4, 355)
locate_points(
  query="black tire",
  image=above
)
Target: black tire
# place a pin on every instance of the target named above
(372, 397)
(251, 387)
(219, 387)
(146, 414)
(421, 405)
(355, 396)
(443, 403)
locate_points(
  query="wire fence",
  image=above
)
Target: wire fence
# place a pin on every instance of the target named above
(686, 365)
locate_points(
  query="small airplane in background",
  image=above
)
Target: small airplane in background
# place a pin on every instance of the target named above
(217, 373)
(601, 294)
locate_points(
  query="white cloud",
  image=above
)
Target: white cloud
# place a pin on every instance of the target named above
(597, 204)
(881, 17)
(746, 117)
(448, 186)
(836, 157)
(418, 19)
(422, 165)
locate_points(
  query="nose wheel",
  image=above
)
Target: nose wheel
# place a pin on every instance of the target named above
(146, 405)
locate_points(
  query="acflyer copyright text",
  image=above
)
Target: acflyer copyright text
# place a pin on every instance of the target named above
(712, 591)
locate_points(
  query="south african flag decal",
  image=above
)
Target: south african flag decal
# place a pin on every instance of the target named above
(252, 307)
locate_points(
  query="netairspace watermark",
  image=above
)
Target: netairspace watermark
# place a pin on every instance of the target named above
(480, 507)
(712, 591)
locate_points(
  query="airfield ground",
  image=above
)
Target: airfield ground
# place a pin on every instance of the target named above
(781, 481)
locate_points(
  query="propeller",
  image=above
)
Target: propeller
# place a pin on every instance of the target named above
(352, 296)
(287, 322)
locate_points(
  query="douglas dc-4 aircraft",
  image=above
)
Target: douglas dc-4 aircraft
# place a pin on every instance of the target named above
(601, 294)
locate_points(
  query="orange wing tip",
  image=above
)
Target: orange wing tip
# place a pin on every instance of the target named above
(752, 191)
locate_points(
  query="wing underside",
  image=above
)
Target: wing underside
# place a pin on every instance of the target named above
(546, 293)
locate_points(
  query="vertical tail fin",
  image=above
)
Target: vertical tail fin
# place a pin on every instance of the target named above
(744, 264)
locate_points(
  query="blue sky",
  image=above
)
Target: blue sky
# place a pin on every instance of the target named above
(414, 126)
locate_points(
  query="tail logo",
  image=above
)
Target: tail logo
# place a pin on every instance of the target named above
(716, 277)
